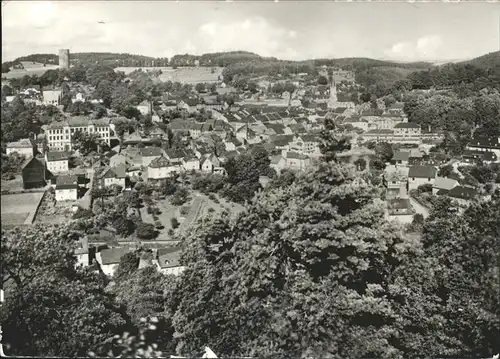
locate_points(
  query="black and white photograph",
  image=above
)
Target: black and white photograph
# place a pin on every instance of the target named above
(250, 179)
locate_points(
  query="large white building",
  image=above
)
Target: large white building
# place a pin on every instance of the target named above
(59, 134)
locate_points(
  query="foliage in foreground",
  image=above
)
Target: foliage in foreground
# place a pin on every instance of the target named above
(309, 269)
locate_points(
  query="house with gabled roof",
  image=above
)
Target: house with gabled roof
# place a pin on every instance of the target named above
(296, 161)
(247, 134)
(420, 175)
(485, 144)
(232, 145)
(174, 154)
(118, 159)
(472, 156)
(443, 184)
(188, 104)
(167, 260)
(196, 130)
(33, 173)
(57, 162)
(161, 168)
(210, 163)
(202, 150)
(395, 180)
(400, 158)
(25, 147)
(109, 259)
(297, 129)
(144, 107)
(276, 129)
(407, 129)
(113, 176)
(191, 163)
(278, 163)
(148, 154)
(462, 194)
(157, 132)
(400, 209)
(66, 188)
(307, 144)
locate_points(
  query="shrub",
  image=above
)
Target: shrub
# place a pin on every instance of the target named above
(211, 210)
(82, 213)
(424, 188)
(170, 232)
(174, 223)
(146, 231)
(212, 197)
(123, 226)
(180, 197)
(184, 210)
(158, 224)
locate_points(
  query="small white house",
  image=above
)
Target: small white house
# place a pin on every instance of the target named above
(161, 167)
(168, 261)
(278, 163)
(78, 98)
(52, 97)
(66, 188)
(443, 183)
(113, 176)
(209, 163)
(191, 163)
(25, 147)
(57, 162)
(109, 259)
(144, 107)
(148, 154)
(82, 253)
(420, 175)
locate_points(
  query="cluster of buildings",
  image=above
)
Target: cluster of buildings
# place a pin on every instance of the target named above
(165, 259)
(412, 168)
(39, 96)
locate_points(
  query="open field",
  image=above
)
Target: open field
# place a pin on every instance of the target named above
(17, 208)
(233, 208)
(14, 218)
(13, 185)
(37, 70)
(182, 74)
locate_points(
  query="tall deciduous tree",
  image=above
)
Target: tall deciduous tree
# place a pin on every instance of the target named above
(301, 272)
(331, 144)
(52, 308)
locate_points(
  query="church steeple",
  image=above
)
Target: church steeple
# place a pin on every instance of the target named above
(333, 92)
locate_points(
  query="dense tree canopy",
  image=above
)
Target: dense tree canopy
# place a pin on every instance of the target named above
(65, 310)
(320, 242)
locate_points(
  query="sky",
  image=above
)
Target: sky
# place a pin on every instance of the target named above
(292, 30)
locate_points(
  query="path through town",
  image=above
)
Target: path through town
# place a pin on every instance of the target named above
(424, 211)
